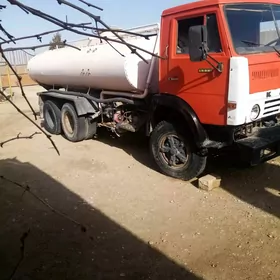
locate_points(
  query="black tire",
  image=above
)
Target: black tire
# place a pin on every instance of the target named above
(74, 127)
(91, 128)
(192, 165)
(52, 117)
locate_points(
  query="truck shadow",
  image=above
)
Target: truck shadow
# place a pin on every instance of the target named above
(57, 248)
(134, 144)
(258, 186)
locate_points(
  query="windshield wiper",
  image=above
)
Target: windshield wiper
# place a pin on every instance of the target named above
(278, 52)
(277, 28)
(275, 22)
(258, 44)
(251, 43)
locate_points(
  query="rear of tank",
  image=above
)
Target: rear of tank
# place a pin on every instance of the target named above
(102, 66)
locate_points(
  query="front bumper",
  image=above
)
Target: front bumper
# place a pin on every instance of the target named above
(261, 146)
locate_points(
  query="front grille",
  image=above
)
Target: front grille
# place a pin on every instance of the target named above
(271, 107)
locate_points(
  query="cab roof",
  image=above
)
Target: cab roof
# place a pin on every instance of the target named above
(207, 3)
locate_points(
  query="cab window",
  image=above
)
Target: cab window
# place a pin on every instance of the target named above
(213, 37)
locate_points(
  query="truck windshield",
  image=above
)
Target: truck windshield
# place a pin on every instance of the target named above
(254, 28)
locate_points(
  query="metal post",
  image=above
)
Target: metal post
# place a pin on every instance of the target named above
(9, 80)
(1, 84)
(1, 67)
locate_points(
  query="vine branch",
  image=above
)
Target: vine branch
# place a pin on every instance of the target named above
(90, 5)
(18, 137)
(19, 81)
(40, 46)
(28, 118)
(72, 27)
(40, 35)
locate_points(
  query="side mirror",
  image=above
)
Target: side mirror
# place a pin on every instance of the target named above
(198, 43)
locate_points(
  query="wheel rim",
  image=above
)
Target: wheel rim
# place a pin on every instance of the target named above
(68, 123)
(173, 151)
(50, 118)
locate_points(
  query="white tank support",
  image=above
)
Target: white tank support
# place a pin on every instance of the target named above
(100, 66)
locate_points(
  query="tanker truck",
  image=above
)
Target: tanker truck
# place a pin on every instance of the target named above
(206, 80)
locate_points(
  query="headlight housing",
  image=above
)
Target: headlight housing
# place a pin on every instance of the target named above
(255, 112)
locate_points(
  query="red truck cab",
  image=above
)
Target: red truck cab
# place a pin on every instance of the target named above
(234, 39)
(222, 63)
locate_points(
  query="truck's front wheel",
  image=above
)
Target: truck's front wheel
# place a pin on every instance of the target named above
(173, 153)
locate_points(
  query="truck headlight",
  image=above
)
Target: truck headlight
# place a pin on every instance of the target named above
(255, 112)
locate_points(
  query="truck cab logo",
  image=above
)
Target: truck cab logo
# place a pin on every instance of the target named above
(205, 70)
(268, 94)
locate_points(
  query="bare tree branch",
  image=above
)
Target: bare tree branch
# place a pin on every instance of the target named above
(83, 26)
(39, 35)
(33, 122)
(75, 28)
(146, 36)
(40, 46)
(23, 94)
(66, 26)
(98, 19)
(19, 81)
(90, 5)
(28, 53)
(4, 41)
(6, 32)
(18, 137)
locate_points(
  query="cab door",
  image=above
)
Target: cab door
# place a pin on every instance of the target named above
(198, 83)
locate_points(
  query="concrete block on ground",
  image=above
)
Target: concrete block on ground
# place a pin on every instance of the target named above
(209, 182)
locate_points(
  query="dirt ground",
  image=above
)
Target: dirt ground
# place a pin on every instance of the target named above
(138, 223)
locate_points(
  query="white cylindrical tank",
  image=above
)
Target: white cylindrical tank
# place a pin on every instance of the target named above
(100, 66)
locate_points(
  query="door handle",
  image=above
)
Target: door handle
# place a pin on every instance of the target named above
(173, 78)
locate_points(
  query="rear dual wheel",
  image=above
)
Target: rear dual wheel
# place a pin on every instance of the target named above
(174, 154)
(75, 128)
(52, 119)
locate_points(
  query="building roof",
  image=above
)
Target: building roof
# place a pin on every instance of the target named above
(206, 3)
